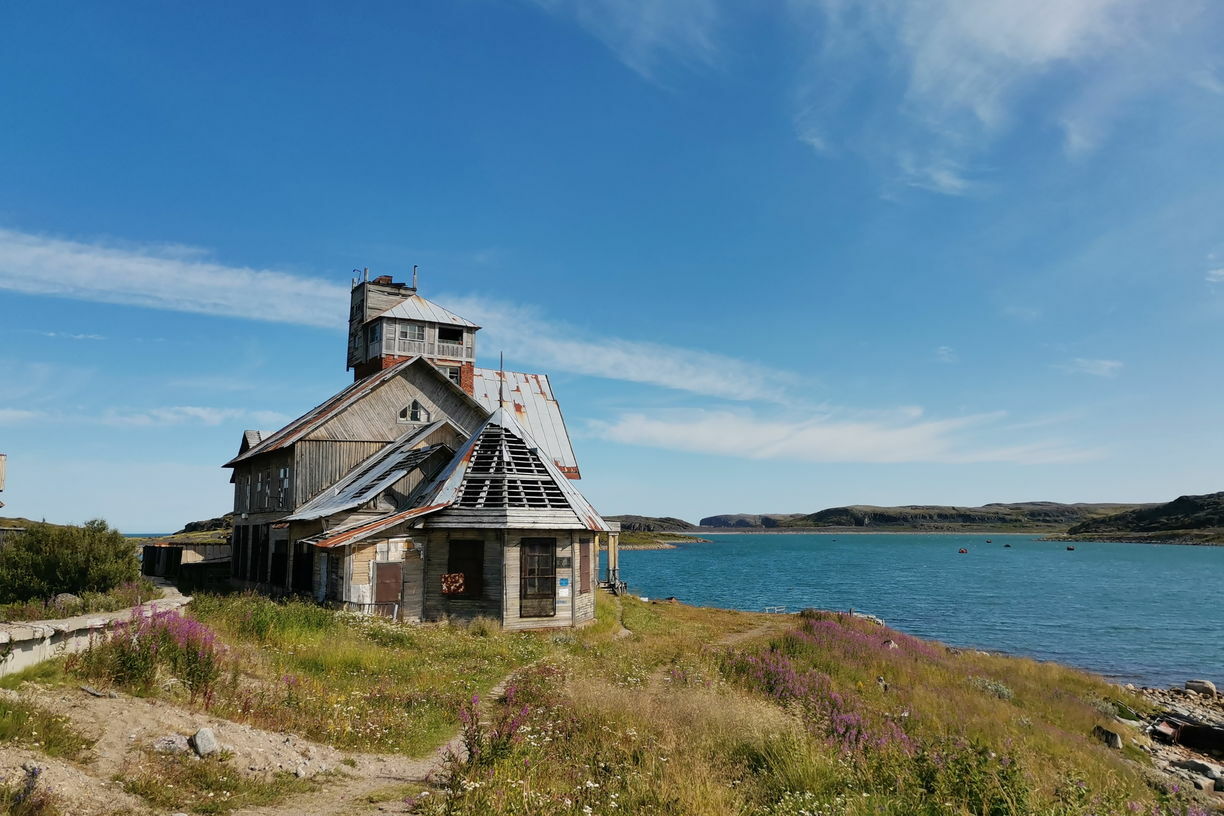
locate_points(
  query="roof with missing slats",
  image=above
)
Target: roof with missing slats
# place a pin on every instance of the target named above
(500, 454)
(375, 474)
(416, 307)
(530, 398)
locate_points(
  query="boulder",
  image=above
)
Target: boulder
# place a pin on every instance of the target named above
(171, 744)
(1111, 738)
(1203, 687)
(205, 742)
(1195, 766)
(65, 599)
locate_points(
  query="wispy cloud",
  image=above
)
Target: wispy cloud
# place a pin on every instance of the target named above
(159, 417)
(164, 277)
(69, 336)
(946, 354)
(1215, 275)
(645, 33)
(933, 82)
(828, 438)
(1097, 368)
(526, 335)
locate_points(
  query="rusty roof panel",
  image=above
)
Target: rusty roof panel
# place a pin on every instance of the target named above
(530, 398)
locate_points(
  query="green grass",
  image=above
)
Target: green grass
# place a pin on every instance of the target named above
(354, 682)
(34, 727)
(178, 782)
(47, 673)
(121, 597)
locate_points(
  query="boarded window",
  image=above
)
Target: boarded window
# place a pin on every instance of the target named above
(584, 565)
(538, 578)
(465, 558)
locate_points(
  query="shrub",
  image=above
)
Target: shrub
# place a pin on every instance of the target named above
(48, 559)
(131, 654)
(124, 596)
(28, 799)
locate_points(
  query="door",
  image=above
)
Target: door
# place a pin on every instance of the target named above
(538, 578)
(388, 584)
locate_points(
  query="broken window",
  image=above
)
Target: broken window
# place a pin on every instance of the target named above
(465, 569)
(450, 334)
(453, 373)
(416, 412)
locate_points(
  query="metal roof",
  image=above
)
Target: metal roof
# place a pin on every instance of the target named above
(531, 399)
(447, 488)
(416, 307)
(374, 475)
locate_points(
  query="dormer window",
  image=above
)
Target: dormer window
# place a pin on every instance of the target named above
(414, 413)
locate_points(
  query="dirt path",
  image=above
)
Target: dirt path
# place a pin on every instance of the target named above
(374, 775)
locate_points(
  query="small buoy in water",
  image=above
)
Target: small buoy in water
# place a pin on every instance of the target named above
(1070, 548)
(1006, 545)
(963, 551)
(988, 541)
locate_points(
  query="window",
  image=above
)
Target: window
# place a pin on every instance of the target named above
(453, 373)
(261, 489)
(416, 412)
(412, 331)
(538, 578)
(465, 558)
(284, 486)
(450, 334)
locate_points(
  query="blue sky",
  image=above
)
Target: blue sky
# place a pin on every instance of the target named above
(775, 256)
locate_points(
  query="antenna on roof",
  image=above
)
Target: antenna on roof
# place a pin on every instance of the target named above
(501, 379)
(367, 273)
(414, 276)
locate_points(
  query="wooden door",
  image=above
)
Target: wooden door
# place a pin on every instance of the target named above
(538, 578)
(388, 582)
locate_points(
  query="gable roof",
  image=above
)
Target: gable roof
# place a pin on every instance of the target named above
(313, 419)
(499, 467)
(375, 474)
(530, 397)
(415, 307)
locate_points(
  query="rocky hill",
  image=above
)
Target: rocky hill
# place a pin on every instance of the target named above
(750, 520)
(652, 524)
(1187, 517)
(1018, 516)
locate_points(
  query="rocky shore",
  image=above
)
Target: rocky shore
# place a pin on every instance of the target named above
(1183, 736)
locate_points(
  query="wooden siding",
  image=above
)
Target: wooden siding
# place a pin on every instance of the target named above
(413, 595)
(569, 612)
(511, 519)
(375, 416)
(321, 463)
(437, 606)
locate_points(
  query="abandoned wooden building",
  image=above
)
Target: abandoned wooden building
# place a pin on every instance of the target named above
(428, 488)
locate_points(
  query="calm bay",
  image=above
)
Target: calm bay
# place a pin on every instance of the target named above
(1144, 613)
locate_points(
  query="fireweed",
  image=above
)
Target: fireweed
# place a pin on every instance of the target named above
(133, 652)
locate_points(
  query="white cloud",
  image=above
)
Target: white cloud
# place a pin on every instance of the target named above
(933, 82)
(644, 33)
(1215, 275)
(1097, 368)
(189, 415)
(68, 336)
(164, 277)
(526, 335)
(827, 438)
(946, 354)
(14, 416)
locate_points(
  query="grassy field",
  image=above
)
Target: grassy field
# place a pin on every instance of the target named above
(656, 708)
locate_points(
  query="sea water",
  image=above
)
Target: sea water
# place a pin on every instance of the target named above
(1150, 614)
